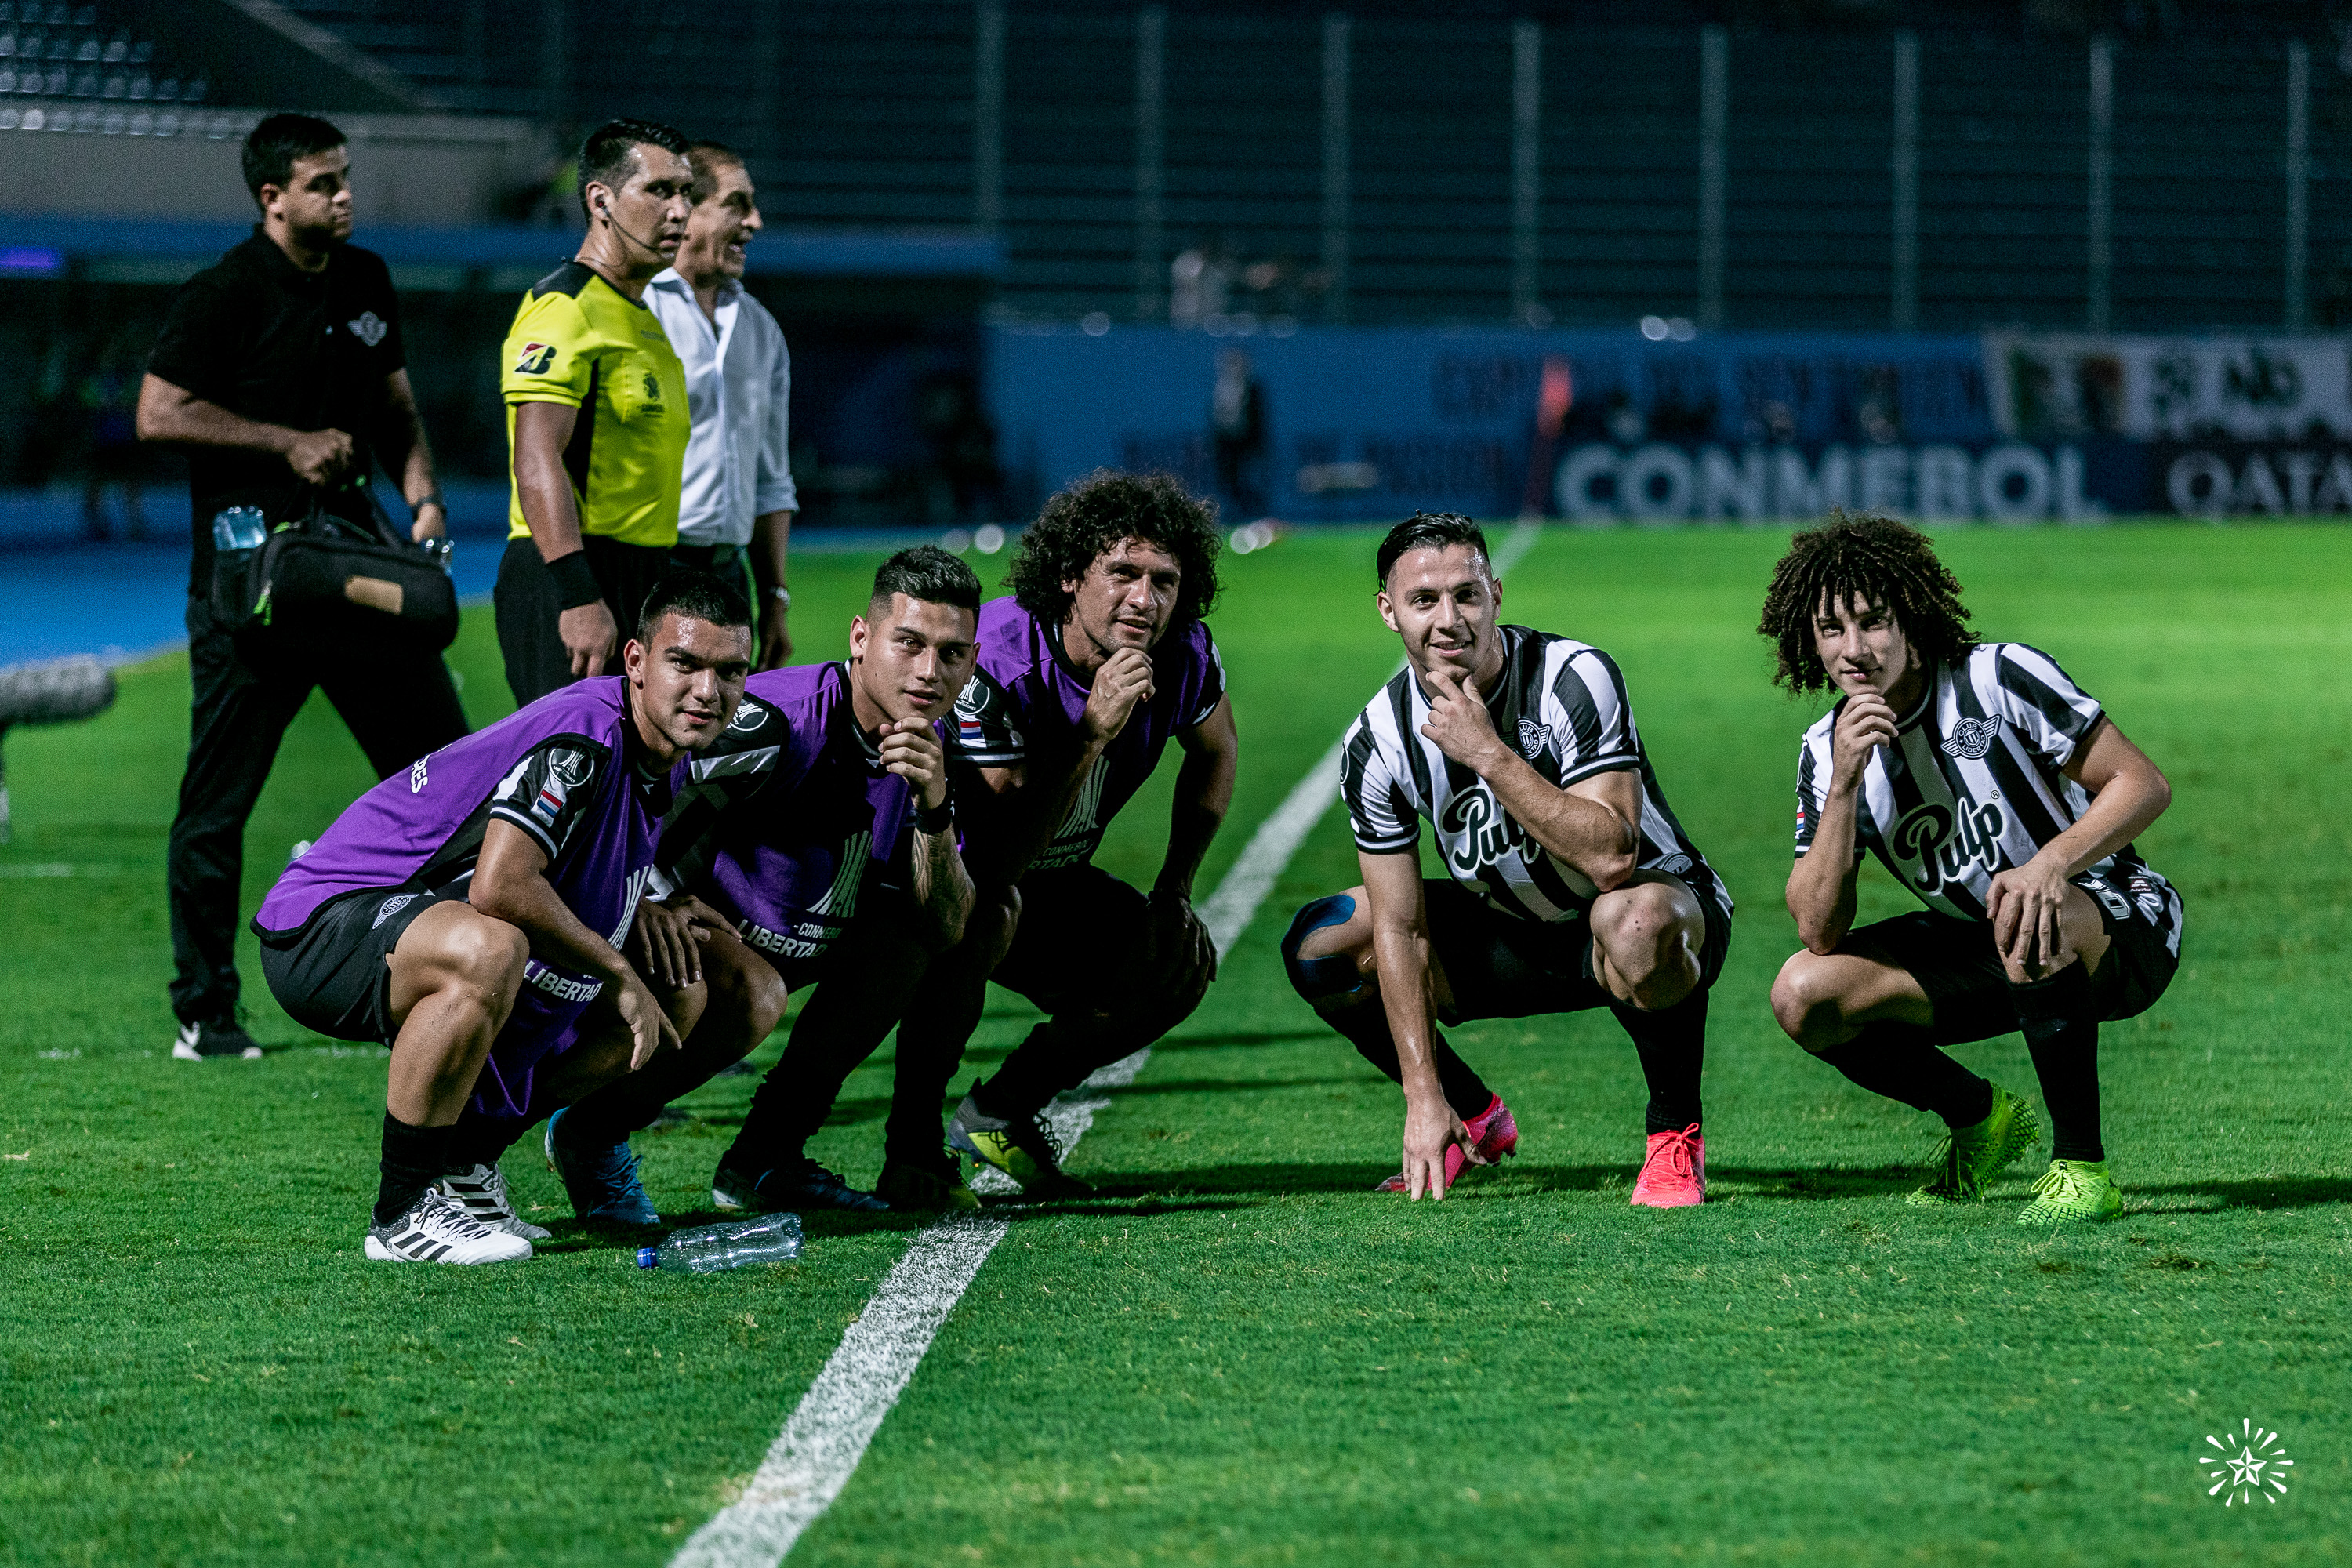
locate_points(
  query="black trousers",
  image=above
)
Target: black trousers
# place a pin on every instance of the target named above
(400, 704)
(525, 604)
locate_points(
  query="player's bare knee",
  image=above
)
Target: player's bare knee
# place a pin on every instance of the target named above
(1808, 1005)
(482, 957)
(1326, 950)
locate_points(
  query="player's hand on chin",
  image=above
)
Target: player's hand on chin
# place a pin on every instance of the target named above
(1458, 721)
(911, 749)
(2025, 904)
(1431, 1129)
(1121, 686)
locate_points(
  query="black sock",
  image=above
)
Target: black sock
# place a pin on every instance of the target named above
(1363, 1021)
(414, 1159)
(1898, 1061)
(1672, 1043)
(479, 1140)
(2062, 1031)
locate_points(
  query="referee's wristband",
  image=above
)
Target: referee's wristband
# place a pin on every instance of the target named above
(935, 820)
(575, 583)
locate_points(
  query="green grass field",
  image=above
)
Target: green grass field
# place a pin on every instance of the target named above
(1249, 1357)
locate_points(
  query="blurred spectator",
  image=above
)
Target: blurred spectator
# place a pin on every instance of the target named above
(1199, 284)
(1237, 428)
(111, 449)
(963, 478)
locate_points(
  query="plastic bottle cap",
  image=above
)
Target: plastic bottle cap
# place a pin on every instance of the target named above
(645, 1257)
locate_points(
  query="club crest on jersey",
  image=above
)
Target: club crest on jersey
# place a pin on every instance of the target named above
(1944, 842)
(1972, 738)
(748, 715)
(1478, 832)
(369, 328)
(536, 359)
(390, 906)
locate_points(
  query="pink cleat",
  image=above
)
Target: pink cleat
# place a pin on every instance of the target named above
(1492, 1130)
(1674, 1173)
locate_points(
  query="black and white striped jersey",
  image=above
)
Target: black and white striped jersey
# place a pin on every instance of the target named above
(1561, 705)
(1974, 784)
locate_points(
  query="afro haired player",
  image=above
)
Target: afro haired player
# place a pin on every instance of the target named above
(2006, 799)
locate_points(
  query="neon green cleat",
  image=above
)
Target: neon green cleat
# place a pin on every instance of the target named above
(1026, 1149)
(1971, 1156)
(2072, 1190)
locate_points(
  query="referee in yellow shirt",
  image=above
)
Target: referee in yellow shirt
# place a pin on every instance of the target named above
(596, 420)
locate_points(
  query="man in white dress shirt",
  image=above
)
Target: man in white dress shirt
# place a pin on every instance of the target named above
(736, 499)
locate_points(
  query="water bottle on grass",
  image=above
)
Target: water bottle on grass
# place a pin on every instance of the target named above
(707, 1250)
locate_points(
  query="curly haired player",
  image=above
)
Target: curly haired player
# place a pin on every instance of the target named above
(2004, 797)
(1098, 660)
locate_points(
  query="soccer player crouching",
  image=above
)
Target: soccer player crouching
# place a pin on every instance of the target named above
(1573, 884)
(818, 825)
(466, 913)
(2003, 796)
(1098, 660)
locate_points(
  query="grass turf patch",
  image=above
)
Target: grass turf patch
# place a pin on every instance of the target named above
(1243, 1354)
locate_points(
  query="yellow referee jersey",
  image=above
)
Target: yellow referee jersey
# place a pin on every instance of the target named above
(580, 340)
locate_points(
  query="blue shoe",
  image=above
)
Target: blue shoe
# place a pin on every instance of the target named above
(601, 1183)
(804, 1185)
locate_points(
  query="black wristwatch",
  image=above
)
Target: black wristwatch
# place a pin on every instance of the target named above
(935, 820)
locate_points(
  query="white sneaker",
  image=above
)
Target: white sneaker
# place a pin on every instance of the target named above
(482, 1191)
(435, 1230)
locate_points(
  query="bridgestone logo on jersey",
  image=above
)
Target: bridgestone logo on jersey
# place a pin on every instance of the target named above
(535, 359)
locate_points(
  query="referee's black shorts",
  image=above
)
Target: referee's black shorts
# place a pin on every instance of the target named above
(1958, 963)
(526, 604)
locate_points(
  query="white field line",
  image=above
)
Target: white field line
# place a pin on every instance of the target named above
(821, 1445)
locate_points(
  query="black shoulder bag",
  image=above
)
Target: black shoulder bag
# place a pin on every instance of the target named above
(324, 578)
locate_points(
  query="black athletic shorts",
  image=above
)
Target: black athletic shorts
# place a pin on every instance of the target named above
(1079, 926)
(1958, 966)
(1500, 966)
(331, 976)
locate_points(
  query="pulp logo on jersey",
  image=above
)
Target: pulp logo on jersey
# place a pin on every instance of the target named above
(1972, 738)
(1943, 843)
(535, 359)
(416, 775)
(369, 328)
(1478, 832)
(390, 906)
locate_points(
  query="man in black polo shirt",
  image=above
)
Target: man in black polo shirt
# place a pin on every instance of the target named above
(279, 372)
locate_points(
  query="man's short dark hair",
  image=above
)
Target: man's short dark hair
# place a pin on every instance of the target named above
(1868, 559)
(707, 159)
(926, 572)
(273, 145)
(1092, 515)
(1431, 531)
(694, 594)
(605, 152)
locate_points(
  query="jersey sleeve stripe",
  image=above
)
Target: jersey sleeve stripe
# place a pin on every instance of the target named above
(1575, 696)
(2063, 706)
(505, 813)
